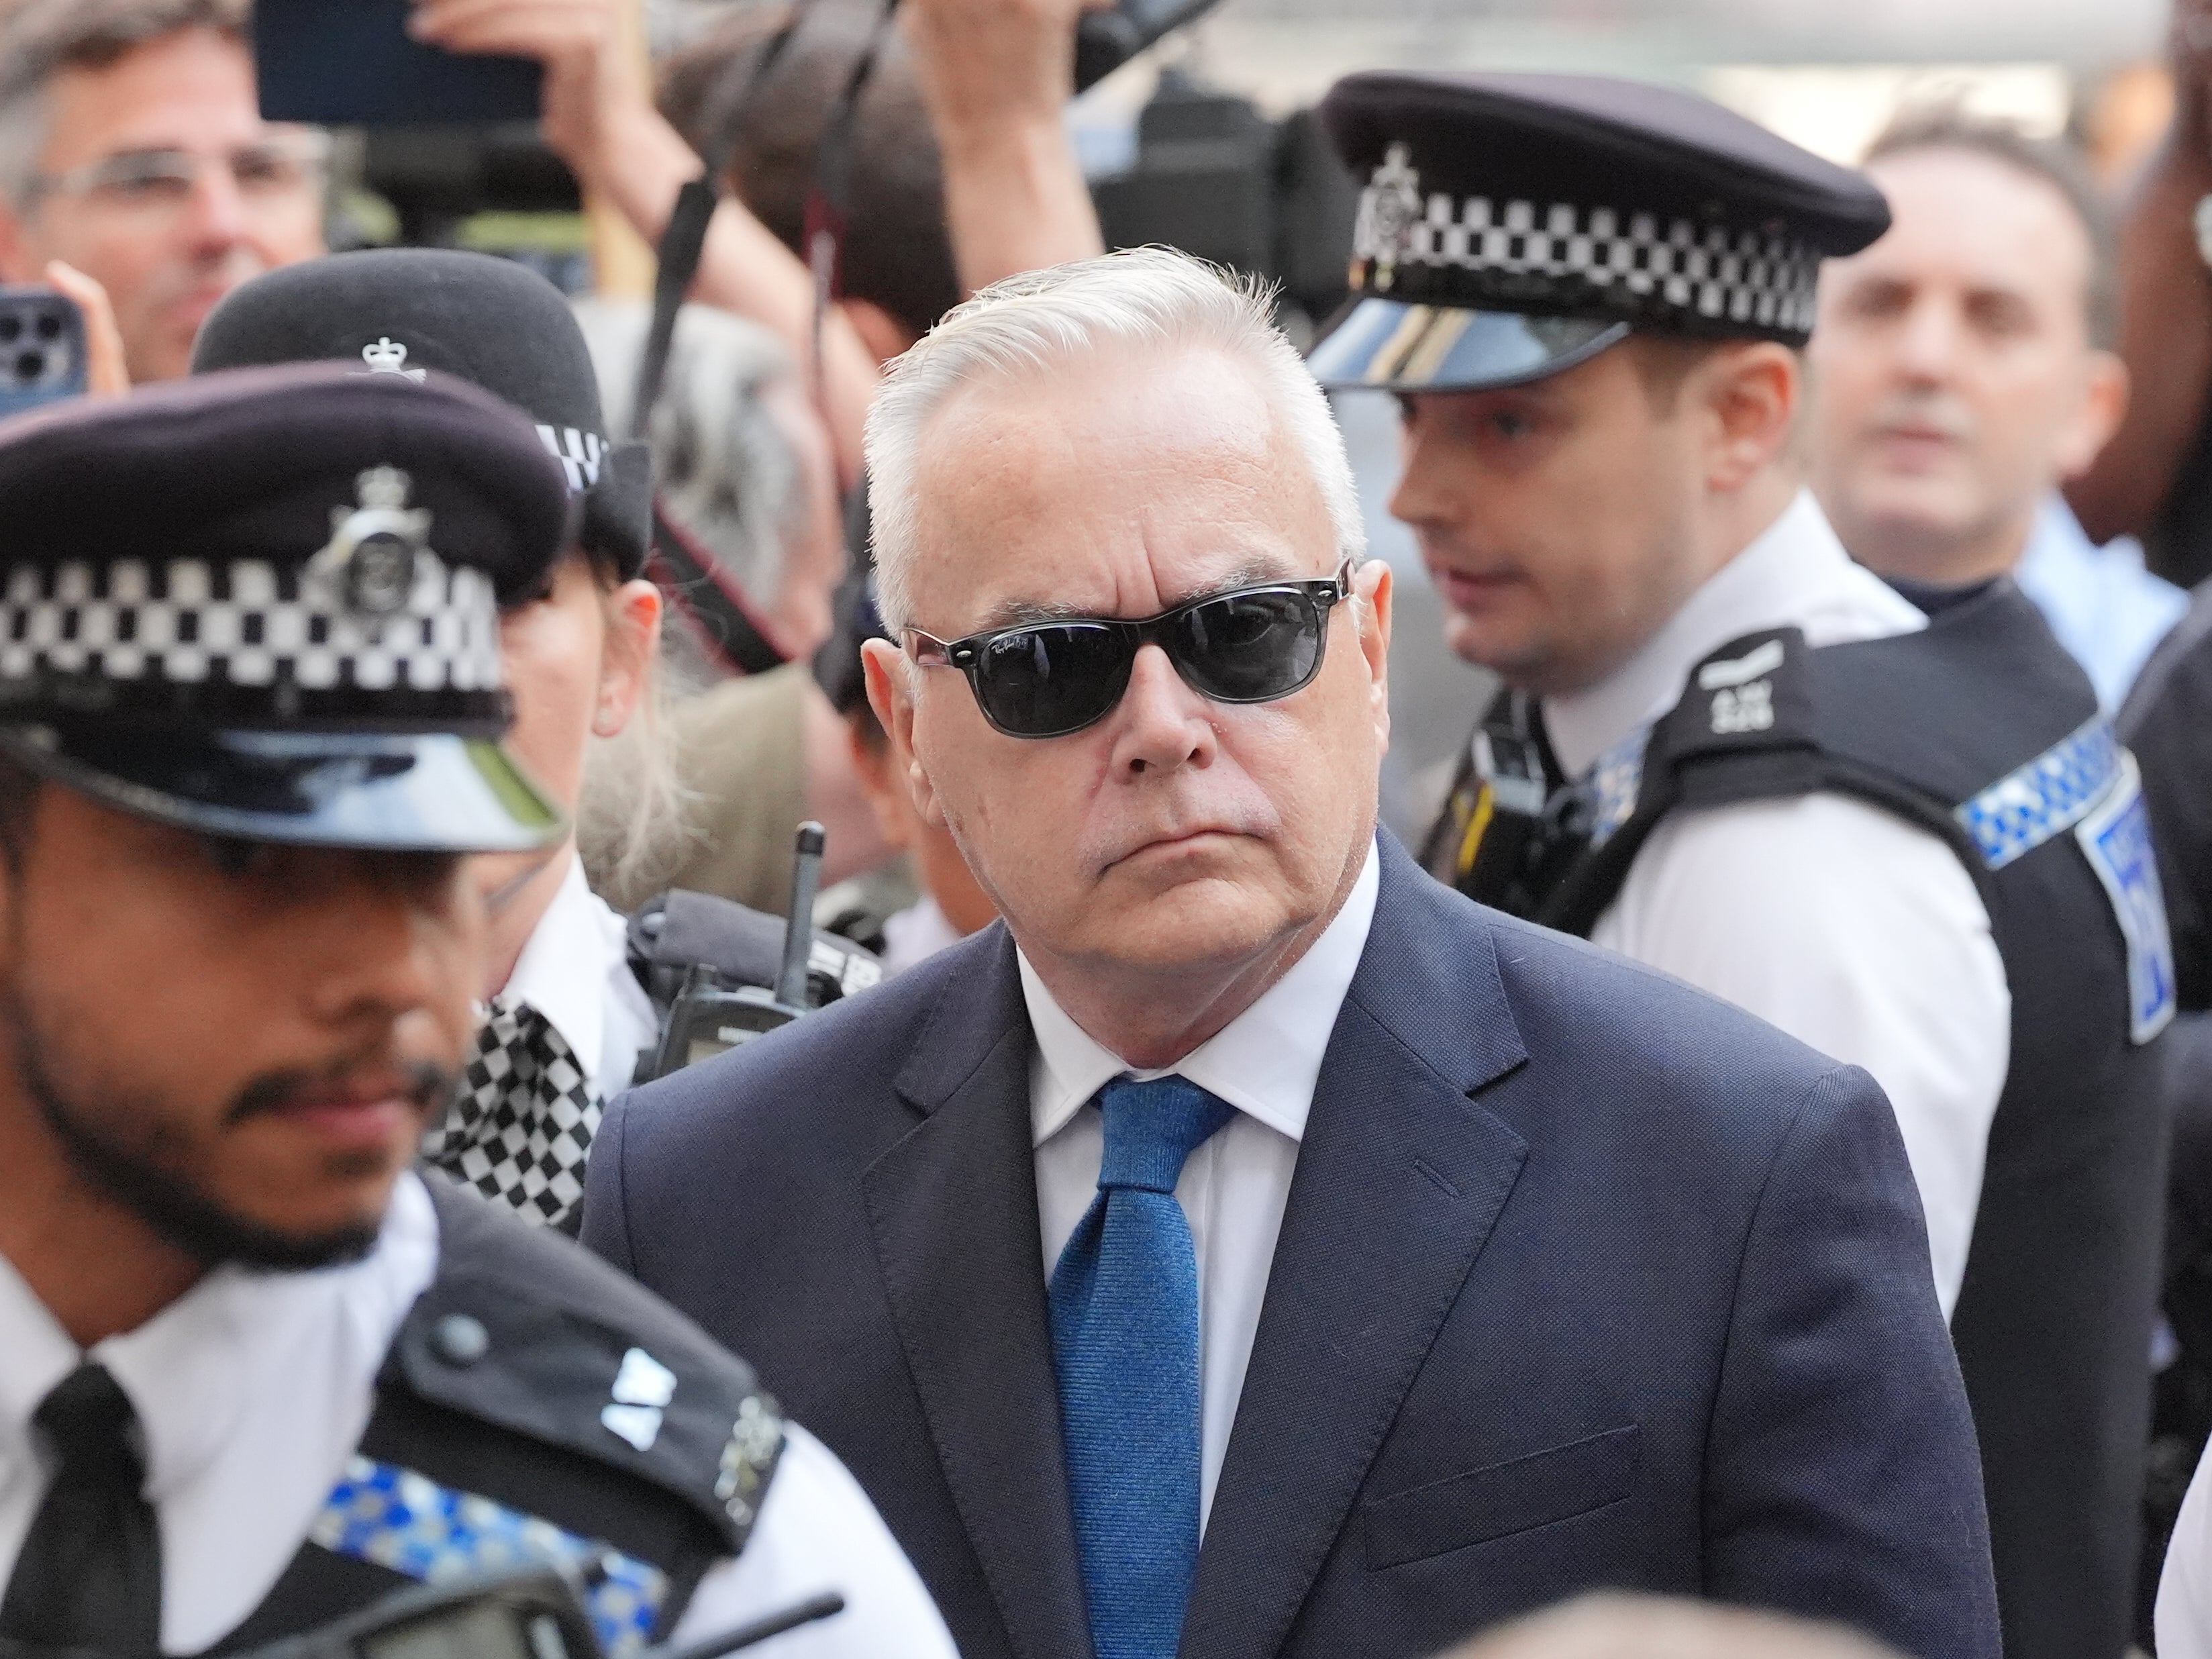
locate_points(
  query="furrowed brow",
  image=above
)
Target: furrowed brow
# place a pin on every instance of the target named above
(1016, 612)
(1255, 571)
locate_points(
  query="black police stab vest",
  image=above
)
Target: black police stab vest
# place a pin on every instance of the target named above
(1982, 731)
(537, 1406)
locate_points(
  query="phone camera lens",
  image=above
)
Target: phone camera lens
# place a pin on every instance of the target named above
(30, 365)
(11, 330)
(50, 327)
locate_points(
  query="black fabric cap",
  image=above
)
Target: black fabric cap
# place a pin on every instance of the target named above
(263, 602)
(395, 312)
(1570, 196)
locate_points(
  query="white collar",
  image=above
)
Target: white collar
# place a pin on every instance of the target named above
(565, 965)
(1794, 573)
(192, 1369)
(1264, 1062)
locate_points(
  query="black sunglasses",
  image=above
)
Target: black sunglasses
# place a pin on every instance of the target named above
(1047, 679)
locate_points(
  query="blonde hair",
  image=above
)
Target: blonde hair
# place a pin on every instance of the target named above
(630, 829)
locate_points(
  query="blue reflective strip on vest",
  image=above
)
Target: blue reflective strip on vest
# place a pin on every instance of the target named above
(1615, 781)
(2046, 797)
(407, 1522)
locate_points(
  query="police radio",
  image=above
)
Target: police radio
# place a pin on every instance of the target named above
(725, 975)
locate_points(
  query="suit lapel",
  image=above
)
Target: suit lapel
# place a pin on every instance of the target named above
(1400, 1177)
(954, 1210)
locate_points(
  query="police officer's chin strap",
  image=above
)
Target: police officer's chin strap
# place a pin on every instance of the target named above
(739, 637)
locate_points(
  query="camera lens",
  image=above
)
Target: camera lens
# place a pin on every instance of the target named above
(50, 327)
(30, 365)
(11, 328)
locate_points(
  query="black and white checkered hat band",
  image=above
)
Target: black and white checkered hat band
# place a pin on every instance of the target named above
(245, 626)
(1482, 250)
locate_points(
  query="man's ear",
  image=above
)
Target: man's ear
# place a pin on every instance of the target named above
(891, 694)
(626, 662)
(1749, 395)
(1371, 588)
(2104, 402)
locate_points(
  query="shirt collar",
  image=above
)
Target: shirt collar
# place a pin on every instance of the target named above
(563, 969)
(191, 1371)
(1265, 1062)
(1794, 573)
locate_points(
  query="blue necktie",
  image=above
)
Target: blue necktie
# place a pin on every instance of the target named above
(1125, 1336)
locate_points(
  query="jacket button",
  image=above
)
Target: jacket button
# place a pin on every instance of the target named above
(459, 1340)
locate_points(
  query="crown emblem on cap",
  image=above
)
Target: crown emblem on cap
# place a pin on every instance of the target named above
(375, 546)
(1389, 207)
(387, 357)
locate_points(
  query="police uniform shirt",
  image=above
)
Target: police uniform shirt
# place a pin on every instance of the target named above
(1848, 928)
(575, 970)
(252, 1390)
(2183, 1616)
(1234, 1188)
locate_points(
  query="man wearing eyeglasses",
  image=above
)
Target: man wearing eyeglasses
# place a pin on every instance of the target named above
(1246, 1185)
(132, 148)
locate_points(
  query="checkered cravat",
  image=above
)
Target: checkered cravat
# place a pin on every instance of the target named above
(521, 1122)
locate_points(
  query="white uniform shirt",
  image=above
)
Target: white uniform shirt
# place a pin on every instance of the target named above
(252, 1390)
(915, 934)
(575, 970)
(1234, 1188)
(2183, 1618)
(1848, 928)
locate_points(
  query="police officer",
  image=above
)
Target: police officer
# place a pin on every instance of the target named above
(254, 1373)
(1903, 834)
(569, 1012)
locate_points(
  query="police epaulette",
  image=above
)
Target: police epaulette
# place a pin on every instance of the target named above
(536, 1335)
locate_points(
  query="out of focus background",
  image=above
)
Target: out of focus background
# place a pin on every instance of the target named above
(1204, 142)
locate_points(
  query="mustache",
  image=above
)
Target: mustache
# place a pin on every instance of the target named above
(423, 1082)
(1939, 415)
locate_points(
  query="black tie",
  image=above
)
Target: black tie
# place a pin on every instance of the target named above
(90, 1572)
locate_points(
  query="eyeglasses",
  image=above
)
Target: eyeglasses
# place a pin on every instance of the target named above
(1047, 679)
(271, 172)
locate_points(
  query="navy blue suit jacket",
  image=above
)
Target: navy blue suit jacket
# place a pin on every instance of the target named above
(1586, 1279)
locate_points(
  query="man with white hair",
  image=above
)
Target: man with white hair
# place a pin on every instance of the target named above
(1244, 1184)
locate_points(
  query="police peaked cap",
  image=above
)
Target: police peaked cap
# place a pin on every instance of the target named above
(397, 311)
(262, 604)
(1511, 226)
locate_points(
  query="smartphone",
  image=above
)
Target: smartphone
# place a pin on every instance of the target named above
(352, 63)
(41, 348)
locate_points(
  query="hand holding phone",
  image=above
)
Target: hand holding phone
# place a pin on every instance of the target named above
(106, 371)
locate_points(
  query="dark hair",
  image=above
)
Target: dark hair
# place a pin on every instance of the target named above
(39, 39)
(896, 253)
(1946, 126)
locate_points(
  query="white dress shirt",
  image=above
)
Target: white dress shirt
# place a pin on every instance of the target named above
(252, 1390)
(575, 970)
(1233, 1188)
(1852, 930)
(2183, 1620)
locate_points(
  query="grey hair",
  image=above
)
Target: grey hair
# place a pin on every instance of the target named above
(1143, 298)
(39, 39)
(724, 468)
